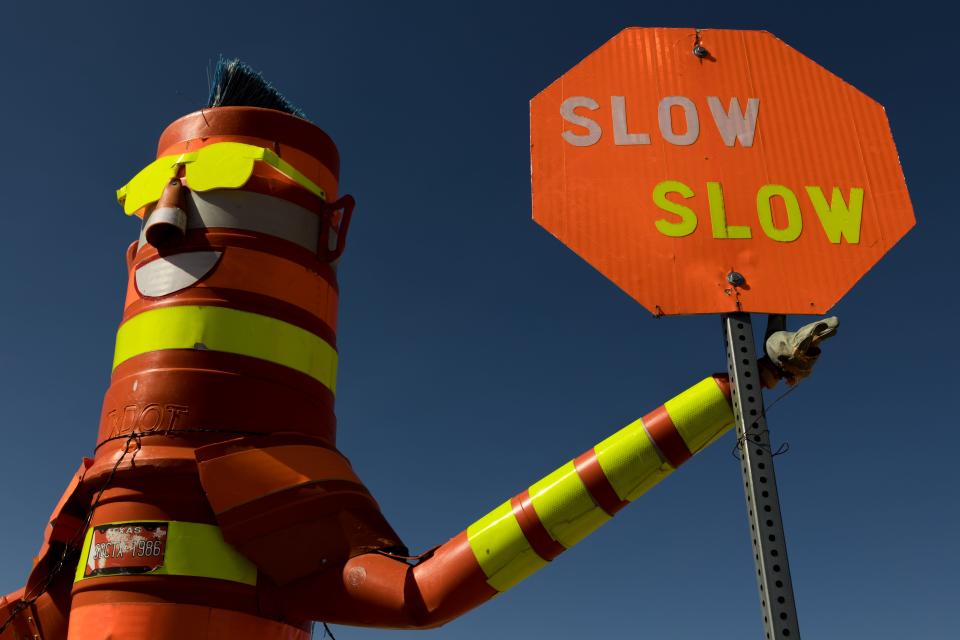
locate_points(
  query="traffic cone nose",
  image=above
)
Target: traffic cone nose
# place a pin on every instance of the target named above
(168, 221)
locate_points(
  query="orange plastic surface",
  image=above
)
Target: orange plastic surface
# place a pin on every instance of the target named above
(292, 508)
(379, 591)
(136, 621)
(233, 478)
(65, 526)
(257, 272)
(812, 130)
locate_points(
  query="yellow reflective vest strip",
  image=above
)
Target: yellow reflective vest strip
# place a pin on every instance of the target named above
(631, 462)
(504, 553)
(703, 405)
(192, 549)
(563, 503)
(565, 507)
(229, 330)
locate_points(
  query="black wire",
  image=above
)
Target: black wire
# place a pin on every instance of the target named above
(70, 547)
(741, 439)
(327, 632)
(173, 433)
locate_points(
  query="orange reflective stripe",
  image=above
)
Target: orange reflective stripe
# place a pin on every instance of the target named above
(262, 273)
(597, 483)
(533, 530)
(665, 436)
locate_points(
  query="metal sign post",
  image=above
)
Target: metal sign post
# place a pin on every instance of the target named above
(759, 481)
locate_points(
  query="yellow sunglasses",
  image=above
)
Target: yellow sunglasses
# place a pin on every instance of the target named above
(224, 165)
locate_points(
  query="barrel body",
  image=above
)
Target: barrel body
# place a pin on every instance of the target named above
(228, 339)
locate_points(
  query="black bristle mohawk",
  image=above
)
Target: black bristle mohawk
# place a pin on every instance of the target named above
(236, 84)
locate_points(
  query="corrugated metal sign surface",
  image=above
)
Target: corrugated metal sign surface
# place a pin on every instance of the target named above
(666, 171)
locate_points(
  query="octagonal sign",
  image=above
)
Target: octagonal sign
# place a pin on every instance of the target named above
(744, 178)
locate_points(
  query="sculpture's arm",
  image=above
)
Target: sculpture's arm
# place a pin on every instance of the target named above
(522, 534)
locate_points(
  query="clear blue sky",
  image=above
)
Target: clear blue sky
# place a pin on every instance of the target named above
(478, 353)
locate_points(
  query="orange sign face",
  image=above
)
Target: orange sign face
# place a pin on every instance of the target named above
(746, 178)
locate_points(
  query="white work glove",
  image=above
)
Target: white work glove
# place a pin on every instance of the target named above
(792, 354)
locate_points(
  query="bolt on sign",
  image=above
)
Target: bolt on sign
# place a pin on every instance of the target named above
(673, 172)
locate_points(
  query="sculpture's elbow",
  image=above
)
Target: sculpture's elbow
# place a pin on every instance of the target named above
(380, 590)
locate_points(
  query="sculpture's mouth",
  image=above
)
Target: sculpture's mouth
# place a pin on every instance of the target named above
(168, 274)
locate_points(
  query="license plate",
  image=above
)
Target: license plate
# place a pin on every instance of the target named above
(128, 548)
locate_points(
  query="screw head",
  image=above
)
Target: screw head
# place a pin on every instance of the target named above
(700, 51)
(736, 279)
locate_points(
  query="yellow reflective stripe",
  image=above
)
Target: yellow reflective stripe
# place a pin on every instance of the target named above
(192, 549)
(700, 414)
(84, 555)
(501, 549)
(229, 330)
(565, 507)
(563, 504)
(200, 550)
(631, 462)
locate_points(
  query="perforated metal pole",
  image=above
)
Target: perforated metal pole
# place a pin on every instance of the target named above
(760, 482)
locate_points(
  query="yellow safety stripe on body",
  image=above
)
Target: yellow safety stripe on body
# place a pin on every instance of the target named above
(192, 549)
(700, 414)
(631, 462)
(565, 507)
(501, 549)
(231, 331)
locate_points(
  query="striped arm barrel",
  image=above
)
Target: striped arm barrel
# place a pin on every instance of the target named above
(523, 533)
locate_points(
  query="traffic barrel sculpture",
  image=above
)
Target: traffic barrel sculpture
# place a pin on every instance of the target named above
(216, 451)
